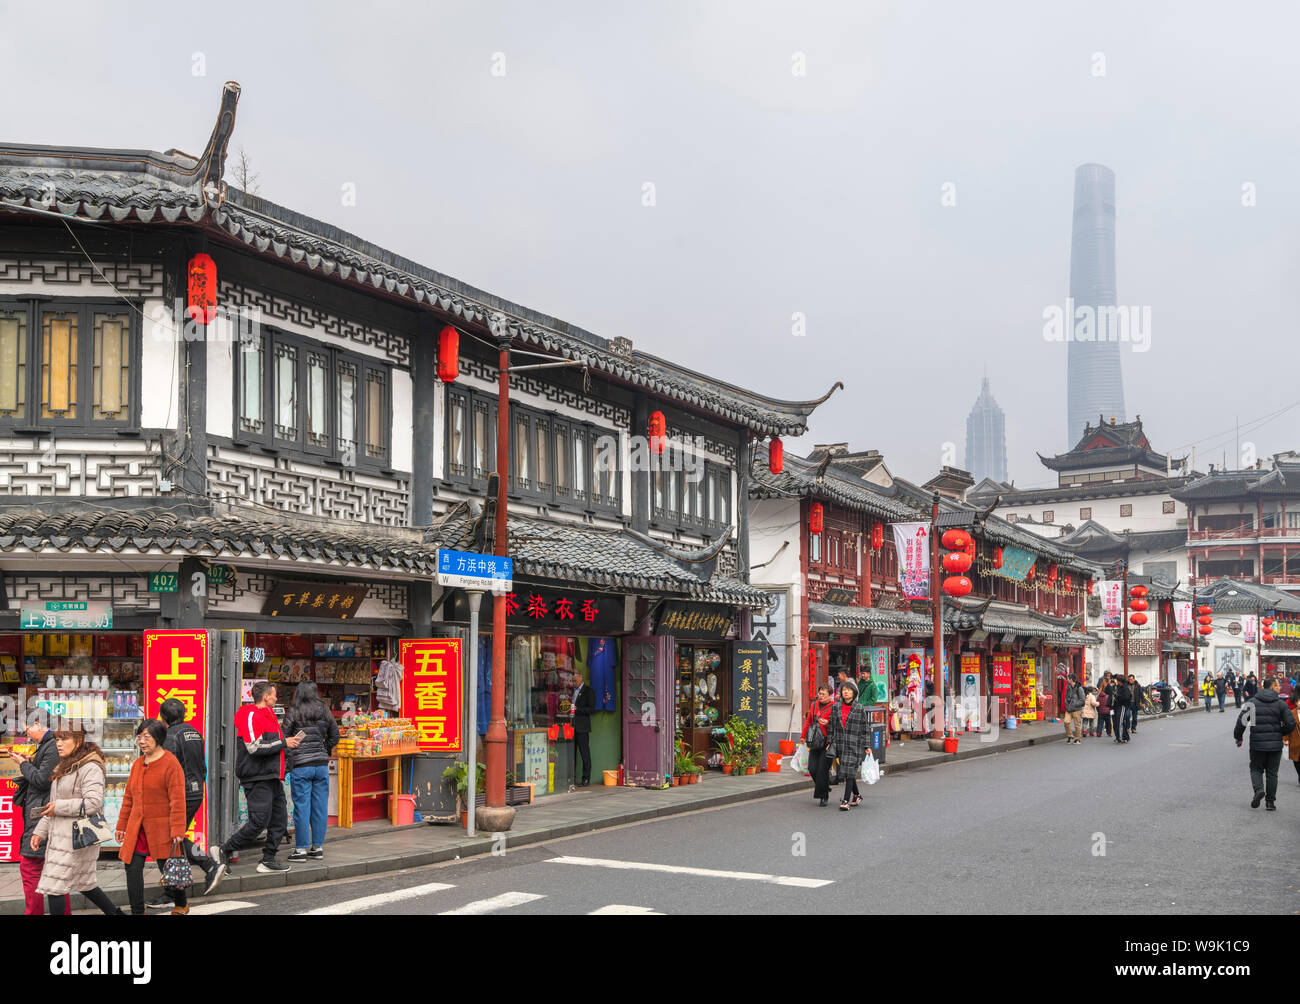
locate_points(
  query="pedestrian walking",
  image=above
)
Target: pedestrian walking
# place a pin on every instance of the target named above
(1238, 682)
(1091, 724)
(1292, 739)
(1269, 722)
(185, 743)
(816, 728)
(1207, 691)
(1252, 686)
(259, 766)
(1119, 702)
(1104, 692)
(76, 792)
(1135, 690)
(1220, 690)
(152, 820)
(848, 737)
(31, 797)
(1075, 699)
(309, 768)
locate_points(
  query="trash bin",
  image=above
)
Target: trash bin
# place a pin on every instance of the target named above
(879, 734)
(1166, 698)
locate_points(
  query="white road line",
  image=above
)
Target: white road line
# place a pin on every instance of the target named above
(379, 899)
(646, 866)
(224, 906)
(503, 902)
(618, 910)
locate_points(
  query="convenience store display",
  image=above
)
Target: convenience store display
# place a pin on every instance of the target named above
(343, 668)
(376, 734)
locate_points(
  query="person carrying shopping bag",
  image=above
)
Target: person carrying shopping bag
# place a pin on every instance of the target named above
(847, 740)
(816, 726)
(152, 820)
(65, 825)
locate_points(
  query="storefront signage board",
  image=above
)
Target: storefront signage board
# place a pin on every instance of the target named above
(535, 759)
(694, 621)
(551, 611)
(969, 688)
(749, 683)
(163, 582)
(65, 615)
(11, 821)
(840, 597)
(1002, 662)
(1016, 563)
(176, 666)
(469, 570)
(313, 599)
(432, 671)
(874, 661)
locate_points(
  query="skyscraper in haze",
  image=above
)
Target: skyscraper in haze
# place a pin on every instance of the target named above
(1096, 385)
(986, 438)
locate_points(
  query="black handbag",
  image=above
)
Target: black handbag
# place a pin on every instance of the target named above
(87, 831)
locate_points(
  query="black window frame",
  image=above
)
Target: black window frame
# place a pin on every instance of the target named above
(715, 484)
(540, 487)
(269, 440)
(35, 307)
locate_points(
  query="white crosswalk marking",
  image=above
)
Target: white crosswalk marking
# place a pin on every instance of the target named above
(224, 906)
(380, 899)
(646, 866)
(620, 910)
(503, 902)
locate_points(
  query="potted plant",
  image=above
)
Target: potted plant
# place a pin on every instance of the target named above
(683, 766)
(457, 774)
(726, 746)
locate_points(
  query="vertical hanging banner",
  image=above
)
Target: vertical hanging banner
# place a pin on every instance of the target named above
(749, 683)
(912, 542)
(1249, 625)
(1002, 672)
(1183, 618)
(176, 666)
(431, 691)
(969, 690)
(1112, 602)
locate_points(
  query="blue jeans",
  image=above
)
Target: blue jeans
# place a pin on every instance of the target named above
(1207, 702)
(1132, 716)
(311, 792)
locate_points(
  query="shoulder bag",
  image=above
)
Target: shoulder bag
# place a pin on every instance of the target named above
(816, 739)
(87, 831)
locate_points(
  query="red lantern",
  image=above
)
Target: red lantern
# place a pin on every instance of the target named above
(997, 557)
(1138, 618)
(659, 430)
(815, 518)
(1051, 575)
(969, 549)
(1205, 620)
(1267, 622)
(877, 536)
(1138, 604)
(1138, 591)
(956, 562)
(1205, 610)
(1033, 571)
(956, 540)
(448, 354)
(201, 303)
(1203, 629)
(957, 585)
(775, 456)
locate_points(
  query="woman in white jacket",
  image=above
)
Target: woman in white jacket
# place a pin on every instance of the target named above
(76, 789)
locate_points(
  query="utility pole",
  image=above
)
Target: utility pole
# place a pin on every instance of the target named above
(936, 601)
(1194, 630)
(1125, 618)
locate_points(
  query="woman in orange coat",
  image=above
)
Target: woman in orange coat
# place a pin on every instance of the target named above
(1292, 741)
(152, 820)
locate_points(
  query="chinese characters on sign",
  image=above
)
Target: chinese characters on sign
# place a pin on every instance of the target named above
(912, 542)
(749, 683)
(11, 821)
(537, 607)
(874, 662)
(431, 691)
(176, 666)
(65, 615)
(697, 621)
(1002, 672)
(470, 570)
(1016, 563)
(314, 599)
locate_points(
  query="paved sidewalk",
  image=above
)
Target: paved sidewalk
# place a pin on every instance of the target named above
(379, 847)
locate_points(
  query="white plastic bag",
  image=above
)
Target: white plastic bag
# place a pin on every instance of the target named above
(870, 771)
(799, 762)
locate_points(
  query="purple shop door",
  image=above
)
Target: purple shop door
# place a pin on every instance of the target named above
(647, 722)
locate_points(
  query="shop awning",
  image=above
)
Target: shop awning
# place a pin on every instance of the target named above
(829, 617)
(1176, 646)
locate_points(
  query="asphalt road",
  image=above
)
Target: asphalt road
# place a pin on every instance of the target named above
(1162, 825)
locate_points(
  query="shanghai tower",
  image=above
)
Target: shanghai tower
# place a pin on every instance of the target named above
(1096, 388)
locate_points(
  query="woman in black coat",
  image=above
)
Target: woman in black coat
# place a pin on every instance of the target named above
(849, 734)
(309, 777)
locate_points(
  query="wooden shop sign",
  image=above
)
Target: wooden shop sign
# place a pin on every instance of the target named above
(694, 620)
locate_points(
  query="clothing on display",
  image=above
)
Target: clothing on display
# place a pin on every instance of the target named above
(602, 662)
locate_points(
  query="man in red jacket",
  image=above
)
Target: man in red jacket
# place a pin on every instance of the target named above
(259, 765)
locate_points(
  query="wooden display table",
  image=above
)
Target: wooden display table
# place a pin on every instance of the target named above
(393, 769)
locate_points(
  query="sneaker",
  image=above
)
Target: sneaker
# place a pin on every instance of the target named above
(1254, 802)
(217, 871)
(180, 911)
(299, 854)
(318, 853)
(161, 903)
(272, 867)
(844, 806)
(1271, 806)
(857, 800)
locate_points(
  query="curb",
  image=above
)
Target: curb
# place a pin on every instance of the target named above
(311, 873)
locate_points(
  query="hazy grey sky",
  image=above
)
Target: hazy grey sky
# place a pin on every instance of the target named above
(775, 193)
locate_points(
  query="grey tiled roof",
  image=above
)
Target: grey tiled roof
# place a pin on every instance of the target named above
(855, 618)
(798, 478)
(592, 556)
(228, 535)
(966, 616)
(1250, 597)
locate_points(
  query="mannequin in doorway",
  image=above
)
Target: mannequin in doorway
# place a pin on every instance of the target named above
(584, 703)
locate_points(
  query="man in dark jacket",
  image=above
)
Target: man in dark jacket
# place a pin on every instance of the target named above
(32, 796)
(1075, 698)
(259, 765)
(1220, 691)
(1119, 702)
(584, 703)
(1252, 686)
(185, 743)
(1238, 681)
(1269, 719)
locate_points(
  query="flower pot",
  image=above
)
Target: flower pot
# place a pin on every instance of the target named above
(726, 768)
(464, 819)
(674, 781)
(751, 770)
(950, 744)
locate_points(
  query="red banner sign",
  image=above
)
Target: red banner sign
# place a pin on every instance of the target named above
(176, 665)
(11, 821)
(1002, 672)
(431, 691)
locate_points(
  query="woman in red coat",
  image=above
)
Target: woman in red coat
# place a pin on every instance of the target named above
(152, 820)
(819, 764)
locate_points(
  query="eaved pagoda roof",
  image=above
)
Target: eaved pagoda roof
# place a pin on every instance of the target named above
(1105, 445)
